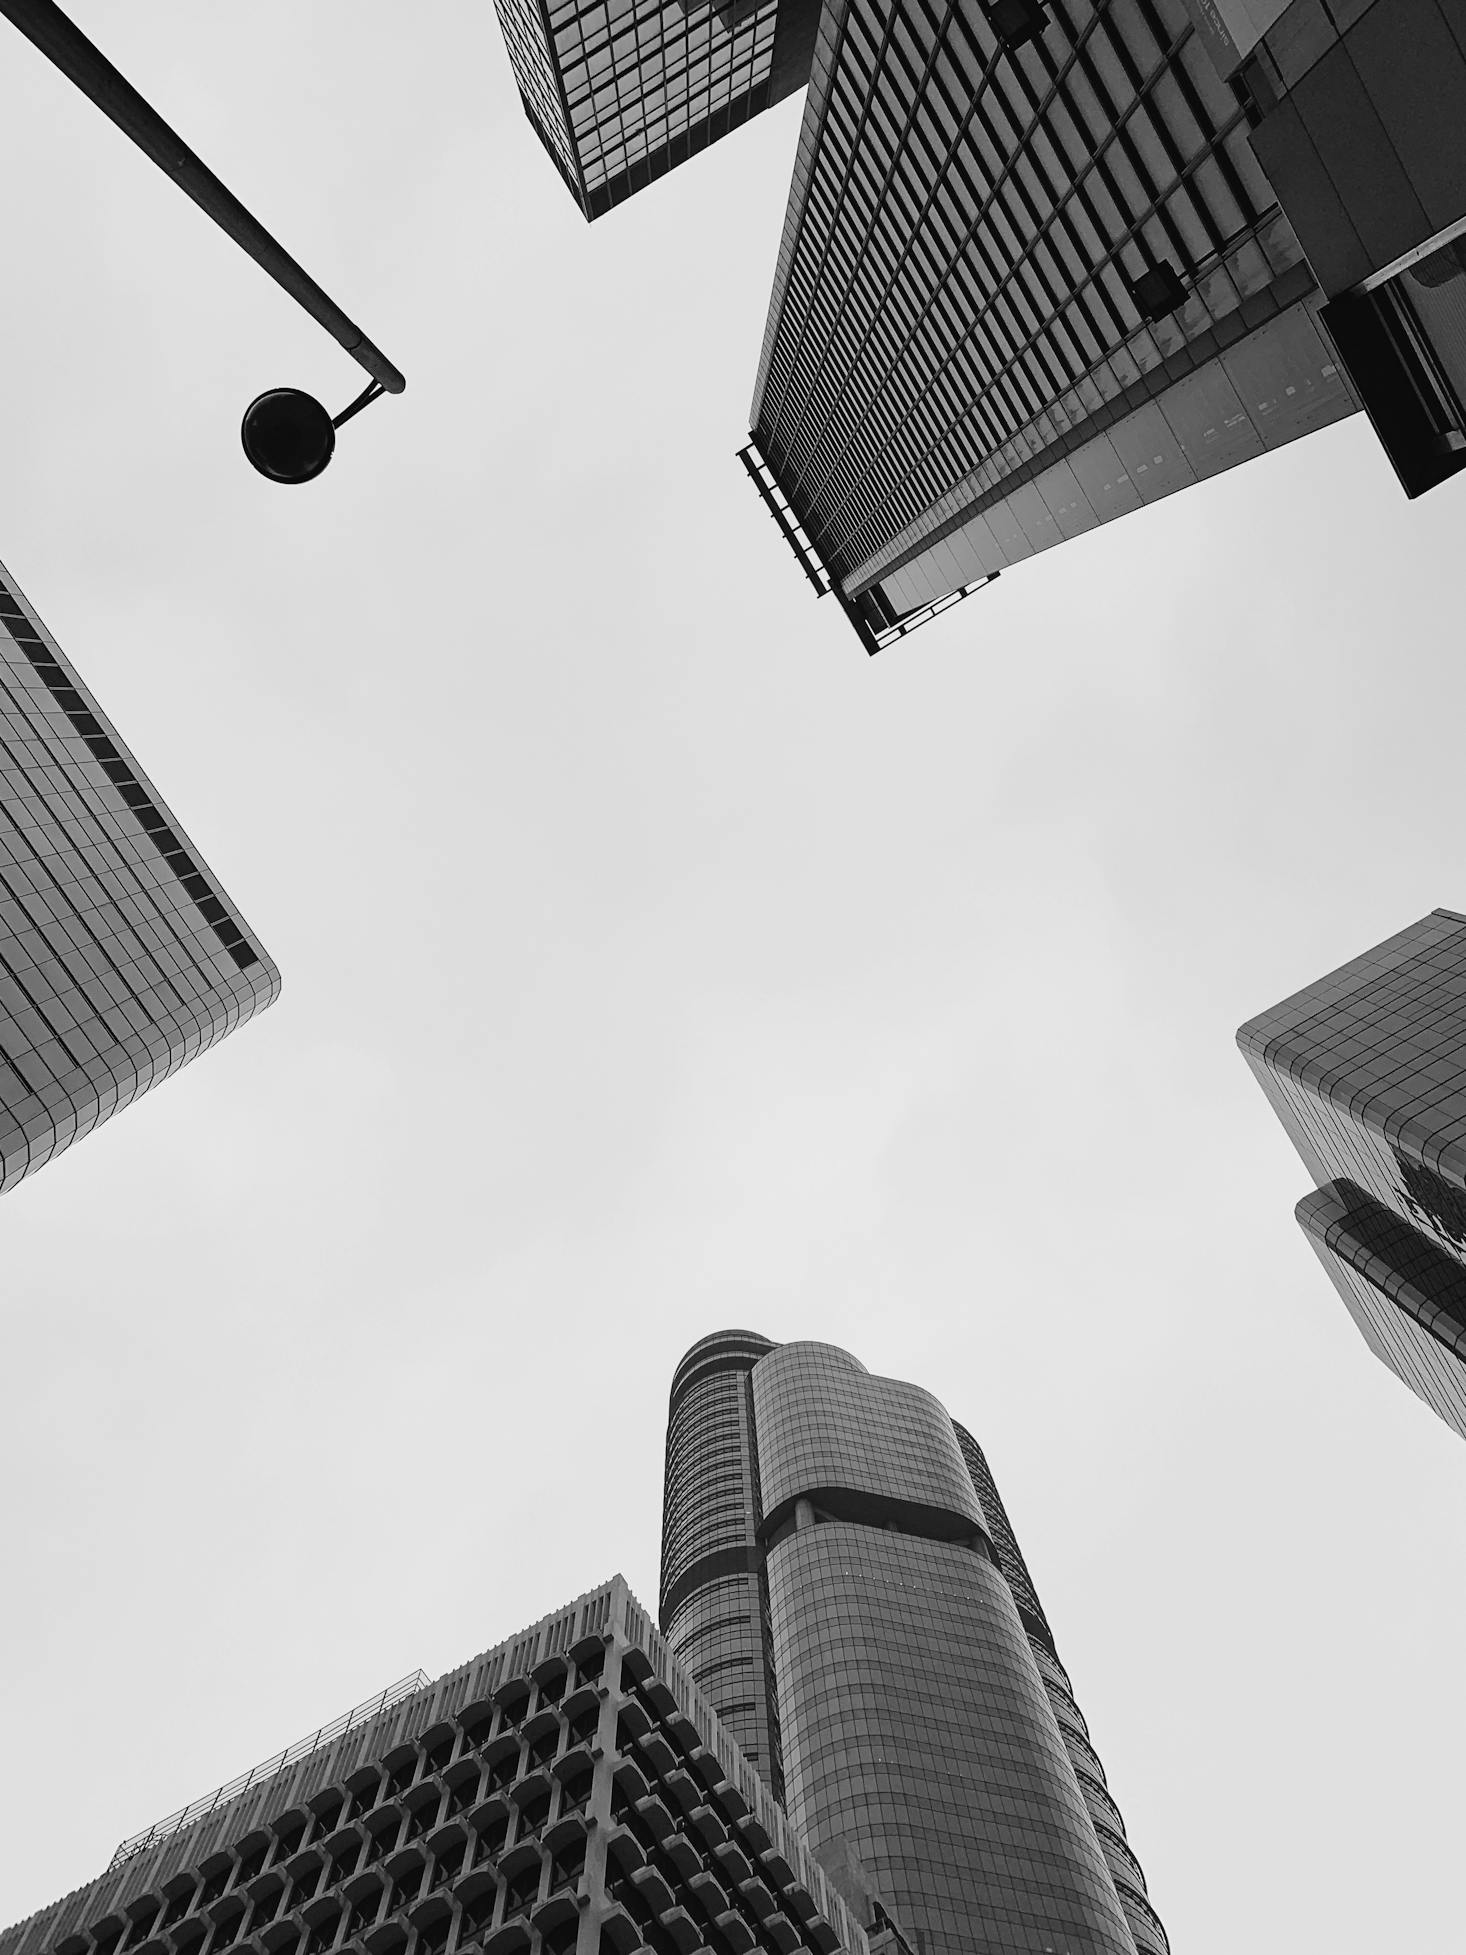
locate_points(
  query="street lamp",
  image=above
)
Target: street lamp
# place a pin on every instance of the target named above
(287, 435)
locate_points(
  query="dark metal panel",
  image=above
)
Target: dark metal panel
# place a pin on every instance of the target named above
(1356, 151)
(1414, 73)
(1313, 201)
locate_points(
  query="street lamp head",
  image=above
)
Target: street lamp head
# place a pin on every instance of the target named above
(287, 435)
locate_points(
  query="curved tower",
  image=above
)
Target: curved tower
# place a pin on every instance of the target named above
(1145, 1924)
(713, 1605)
(825, 1538)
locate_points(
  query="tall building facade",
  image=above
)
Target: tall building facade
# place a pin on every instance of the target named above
(1366, 1070)
(833, 1580)
(1047, 261)
(570, 1790)
(121, 957)
(1032, 278)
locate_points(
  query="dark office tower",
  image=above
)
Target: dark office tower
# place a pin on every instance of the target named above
(842, 1594)
(570, 1792)
(621, 91)
(1032, 277)
(1366, 1069)
(1109, 1823)
(120, 957)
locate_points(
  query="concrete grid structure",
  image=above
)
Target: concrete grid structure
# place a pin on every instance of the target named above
(1047, 261)
(835, 1584)
(1366, 1070)
(569, 1790)
(121, 957)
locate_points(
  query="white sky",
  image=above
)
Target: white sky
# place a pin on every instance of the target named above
(654, 961)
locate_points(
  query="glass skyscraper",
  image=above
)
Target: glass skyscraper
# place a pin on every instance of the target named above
(840, 1578)
(569, 1792)
(1366, 1069)
(121, 958)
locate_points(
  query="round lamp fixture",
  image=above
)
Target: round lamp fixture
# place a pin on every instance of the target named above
(287, 435)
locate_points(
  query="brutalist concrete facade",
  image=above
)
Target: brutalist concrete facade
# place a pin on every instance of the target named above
(831, 1578)
(569, 1790)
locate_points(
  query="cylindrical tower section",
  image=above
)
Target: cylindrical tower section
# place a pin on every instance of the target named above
(713, 1608)
(1145, 1924)
(921, 1757)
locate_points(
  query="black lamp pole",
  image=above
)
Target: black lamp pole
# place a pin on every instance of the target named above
(287, 435)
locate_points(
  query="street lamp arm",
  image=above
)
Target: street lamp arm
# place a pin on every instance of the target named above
(63, 43)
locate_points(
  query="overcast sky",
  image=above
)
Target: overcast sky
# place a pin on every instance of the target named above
(654, 961)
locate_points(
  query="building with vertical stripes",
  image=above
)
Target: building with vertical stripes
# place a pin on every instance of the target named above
(840, 1578)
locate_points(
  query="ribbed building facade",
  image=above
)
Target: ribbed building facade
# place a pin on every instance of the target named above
(569, 1792)
(1366, 1070)
(121, 957)
(844, 1594)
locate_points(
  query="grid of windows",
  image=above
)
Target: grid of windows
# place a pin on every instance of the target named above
(569, 1793)
(522, 24)
(986, 241)
(1366, 1070)
(623, 90)
(120, 957)
(1406, 1296)
(636, 73)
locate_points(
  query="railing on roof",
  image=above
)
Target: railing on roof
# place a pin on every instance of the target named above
(188, 1815)
(875, 637)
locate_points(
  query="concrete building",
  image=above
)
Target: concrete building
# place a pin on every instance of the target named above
(121, 957)
(569, 1790)
(834, 1582)
(1366, 1070)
